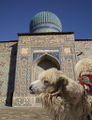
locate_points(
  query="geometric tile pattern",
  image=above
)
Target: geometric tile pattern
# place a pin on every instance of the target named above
(69, 66)
(37, 55)
(24, 81)
(54, 54)
(22, 102)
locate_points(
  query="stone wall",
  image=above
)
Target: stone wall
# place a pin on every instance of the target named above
(83, 48)
(7, 71)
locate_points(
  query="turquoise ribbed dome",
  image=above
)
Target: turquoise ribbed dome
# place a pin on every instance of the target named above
(45, 20)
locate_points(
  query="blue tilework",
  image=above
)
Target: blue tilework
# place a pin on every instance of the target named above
(68, 57)
(37, 55)
(55, 54)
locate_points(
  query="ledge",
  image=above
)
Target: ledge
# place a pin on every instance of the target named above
(83, 39)
(48, 33)
(9, 41)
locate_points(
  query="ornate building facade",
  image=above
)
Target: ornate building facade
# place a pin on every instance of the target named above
(44, 47)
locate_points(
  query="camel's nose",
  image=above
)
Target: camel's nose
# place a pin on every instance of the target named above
(30, 88)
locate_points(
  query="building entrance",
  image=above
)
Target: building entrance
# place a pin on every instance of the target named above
(43, 63)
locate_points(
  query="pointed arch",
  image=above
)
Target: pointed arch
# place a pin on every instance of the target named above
(44, 62)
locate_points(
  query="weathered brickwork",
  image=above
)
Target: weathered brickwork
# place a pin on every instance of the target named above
(83, 48)
(45, 40)
(7, 52)
(22, 61)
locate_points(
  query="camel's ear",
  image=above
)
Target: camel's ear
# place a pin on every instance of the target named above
(63, 80)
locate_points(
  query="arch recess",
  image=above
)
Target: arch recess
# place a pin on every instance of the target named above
(43, 63)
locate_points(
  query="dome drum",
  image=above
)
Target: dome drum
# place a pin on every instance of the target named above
(49, 27)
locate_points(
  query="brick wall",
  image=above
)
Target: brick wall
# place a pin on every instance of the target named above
(83, 49)
(7, 55)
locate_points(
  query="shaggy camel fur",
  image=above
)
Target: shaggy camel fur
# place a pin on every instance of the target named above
(83, 67)
(63, 97)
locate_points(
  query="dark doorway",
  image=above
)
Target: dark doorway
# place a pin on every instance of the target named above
(47, 63)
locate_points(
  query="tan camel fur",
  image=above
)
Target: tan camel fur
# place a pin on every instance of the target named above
(64, 98)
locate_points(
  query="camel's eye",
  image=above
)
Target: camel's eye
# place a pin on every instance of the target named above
(46, 82)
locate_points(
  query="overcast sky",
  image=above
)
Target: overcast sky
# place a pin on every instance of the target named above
(75, 16)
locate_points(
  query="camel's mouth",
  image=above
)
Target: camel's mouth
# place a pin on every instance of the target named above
(34, 93)
(31, 90)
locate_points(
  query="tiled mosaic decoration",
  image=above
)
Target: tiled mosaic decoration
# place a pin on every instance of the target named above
(54, 54)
